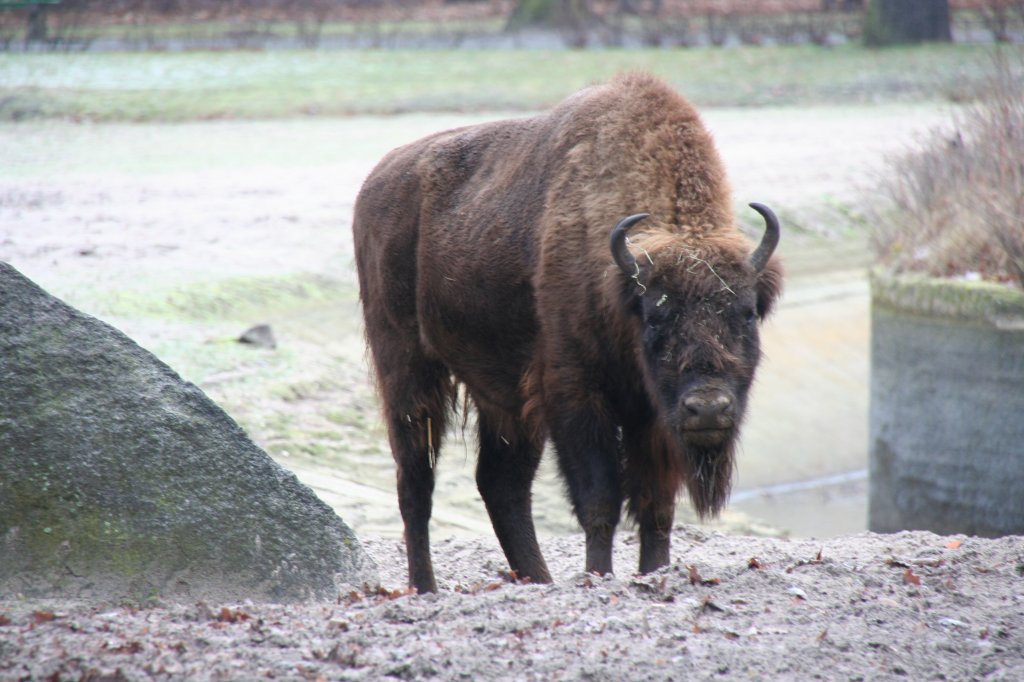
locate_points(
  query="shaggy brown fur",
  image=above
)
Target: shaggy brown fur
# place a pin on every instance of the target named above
(483, 258)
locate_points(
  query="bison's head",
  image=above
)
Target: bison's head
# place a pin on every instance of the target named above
(698, 304)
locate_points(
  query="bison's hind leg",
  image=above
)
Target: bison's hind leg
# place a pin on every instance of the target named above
(419, 395)
(504, 475)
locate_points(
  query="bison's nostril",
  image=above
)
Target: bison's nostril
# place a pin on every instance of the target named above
(708, 406)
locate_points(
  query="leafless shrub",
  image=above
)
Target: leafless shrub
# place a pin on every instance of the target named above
(1002, 19)
(12, 25)
(956, 207)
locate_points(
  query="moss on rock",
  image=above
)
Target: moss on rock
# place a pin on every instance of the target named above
(119, 480)
(980, 301)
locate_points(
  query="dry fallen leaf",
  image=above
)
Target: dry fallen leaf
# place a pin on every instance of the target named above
(132, 647)
(954, 544)
(694, 575)
(816, 561)
(910, 579)
(708, 605)
(389, 595)
(227, 615)
(42, 616)
(696, 579)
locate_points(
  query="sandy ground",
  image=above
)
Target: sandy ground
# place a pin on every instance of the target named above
(116, 218)
(909, 606)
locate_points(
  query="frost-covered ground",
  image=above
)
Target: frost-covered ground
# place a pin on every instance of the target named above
(909, 606)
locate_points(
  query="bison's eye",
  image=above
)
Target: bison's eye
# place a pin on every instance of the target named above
(655, 309)
(654, 342)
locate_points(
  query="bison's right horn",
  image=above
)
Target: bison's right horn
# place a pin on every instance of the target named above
(623, 258)
(770, 240)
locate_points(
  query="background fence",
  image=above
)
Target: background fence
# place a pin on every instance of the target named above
(261, 24)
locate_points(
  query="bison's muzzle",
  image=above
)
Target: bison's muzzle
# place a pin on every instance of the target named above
(714, 411)
(705, 417)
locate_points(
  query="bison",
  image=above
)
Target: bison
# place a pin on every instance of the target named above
(496, 257)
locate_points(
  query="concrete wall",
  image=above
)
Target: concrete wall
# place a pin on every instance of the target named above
(947, 407)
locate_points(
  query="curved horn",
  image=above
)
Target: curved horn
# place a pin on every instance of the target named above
(770, 240)
(623, 258)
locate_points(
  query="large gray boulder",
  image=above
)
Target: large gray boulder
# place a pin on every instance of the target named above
(119, 480)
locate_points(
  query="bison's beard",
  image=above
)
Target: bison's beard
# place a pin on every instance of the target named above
(709, 475)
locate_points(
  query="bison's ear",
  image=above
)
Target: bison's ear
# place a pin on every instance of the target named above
(769, 287)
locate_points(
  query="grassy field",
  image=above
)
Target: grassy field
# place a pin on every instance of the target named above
(182, 86)
(183, 235)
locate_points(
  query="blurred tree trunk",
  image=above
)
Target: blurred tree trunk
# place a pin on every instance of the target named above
(573, 18)
(37, 31)
(893, 22)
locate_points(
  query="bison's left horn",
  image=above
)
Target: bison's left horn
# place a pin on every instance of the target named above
(623, 258)
(770, 240)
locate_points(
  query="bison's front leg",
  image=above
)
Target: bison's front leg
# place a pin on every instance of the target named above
(588, 457)
(655, 535)
(652, 480)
